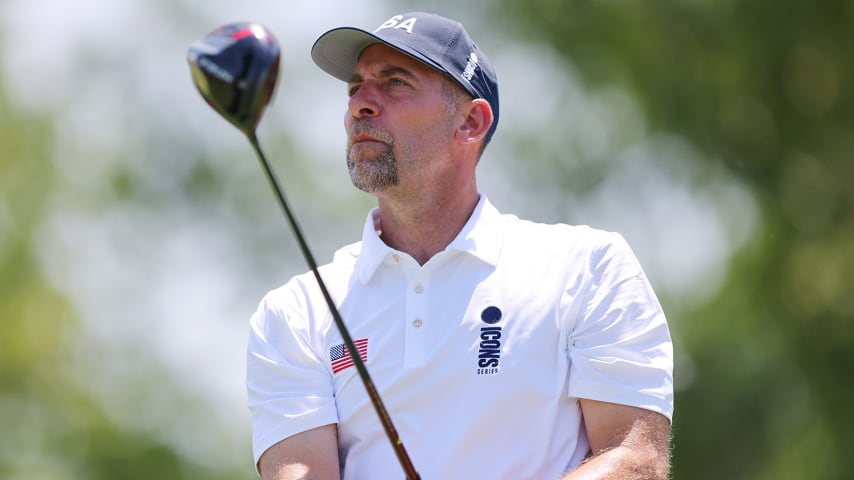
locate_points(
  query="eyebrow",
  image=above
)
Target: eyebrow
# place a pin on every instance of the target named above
(385, 73)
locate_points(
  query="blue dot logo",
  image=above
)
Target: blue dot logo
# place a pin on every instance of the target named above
(491, 315)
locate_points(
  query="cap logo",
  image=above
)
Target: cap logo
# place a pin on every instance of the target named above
(395, 23)
(471, 66)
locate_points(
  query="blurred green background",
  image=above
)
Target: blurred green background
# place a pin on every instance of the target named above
(137, 233)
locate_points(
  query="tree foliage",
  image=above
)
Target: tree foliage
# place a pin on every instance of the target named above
(53, 427)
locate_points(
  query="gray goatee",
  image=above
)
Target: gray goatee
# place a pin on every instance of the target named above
(377, 173)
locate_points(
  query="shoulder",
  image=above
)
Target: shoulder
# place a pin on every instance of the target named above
(550, 237)
(580, 253)
(298, 291)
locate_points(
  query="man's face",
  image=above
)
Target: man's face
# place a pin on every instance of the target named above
(399, 120)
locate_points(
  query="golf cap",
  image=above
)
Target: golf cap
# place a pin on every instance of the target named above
(440, 43)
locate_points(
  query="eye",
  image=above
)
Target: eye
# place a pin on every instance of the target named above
(352, 89)
(398, 82)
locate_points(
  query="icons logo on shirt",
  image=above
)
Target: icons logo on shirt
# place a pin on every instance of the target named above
(340, 358)
(489, 350)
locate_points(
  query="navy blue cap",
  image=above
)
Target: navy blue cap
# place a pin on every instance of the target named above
(438, 42)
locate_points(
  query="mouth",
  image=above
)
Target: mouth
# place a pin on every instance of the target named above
(364, 134)
(364, 147)
(364, 139)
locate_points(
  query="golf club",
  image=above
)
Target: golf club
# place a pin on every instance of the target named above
(235, 68)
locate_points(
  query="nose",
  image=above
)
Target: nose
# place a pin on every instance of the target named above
(364, 102)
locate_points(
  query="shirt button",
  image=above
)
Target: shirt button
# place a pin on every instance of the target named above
(395, 257)
(417, 322)
(419, 289)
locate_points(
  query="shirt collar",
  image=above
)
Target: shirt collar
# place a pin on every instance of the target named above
(373, 250)
(481, 237)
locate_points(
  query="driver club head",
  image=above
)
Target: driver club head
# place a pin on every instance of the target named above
(235, 68)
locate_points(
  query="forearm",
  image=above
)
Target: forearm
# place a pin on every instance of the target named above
(310, 455)
(621, 463)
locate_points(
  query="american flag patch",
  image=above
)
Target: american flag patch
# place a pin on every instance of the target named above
(340, 358)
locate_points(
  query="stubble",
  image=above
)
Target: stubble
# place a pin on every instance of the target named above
(373, 172)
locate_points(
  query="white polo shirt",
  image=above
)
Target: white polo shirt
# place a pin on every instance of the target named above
(479, 355)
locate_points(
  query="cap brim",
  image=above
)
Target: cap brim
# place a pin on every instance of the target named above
(337, 51)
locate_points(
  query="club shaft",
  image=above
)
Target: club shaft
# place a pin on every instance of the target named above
(379, 407)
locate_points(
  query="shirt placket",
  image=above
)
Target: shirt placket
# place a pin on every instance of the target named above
(417, 317)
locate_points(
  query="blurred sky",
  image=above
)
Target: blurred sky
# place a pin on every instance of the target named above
(165, 277)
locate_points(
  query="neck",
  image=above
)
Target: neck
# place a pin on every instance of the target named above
(424, 227)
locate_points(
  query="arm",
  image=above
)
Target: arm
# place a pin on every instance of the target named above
(290, 391)
(621, 351)
(625, 443)
(310, 455)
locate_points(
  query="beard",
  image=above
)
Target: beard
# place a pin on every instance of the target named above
(375, 171)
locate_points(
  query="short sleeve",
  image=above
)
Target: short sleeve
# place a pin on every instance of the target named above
(288, 385)
(620, 346)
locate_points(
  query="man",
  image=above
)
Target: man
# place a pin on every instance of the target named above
(502, 348)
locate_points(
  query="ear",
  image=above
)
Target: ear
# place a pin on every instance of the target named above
(477, 118)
